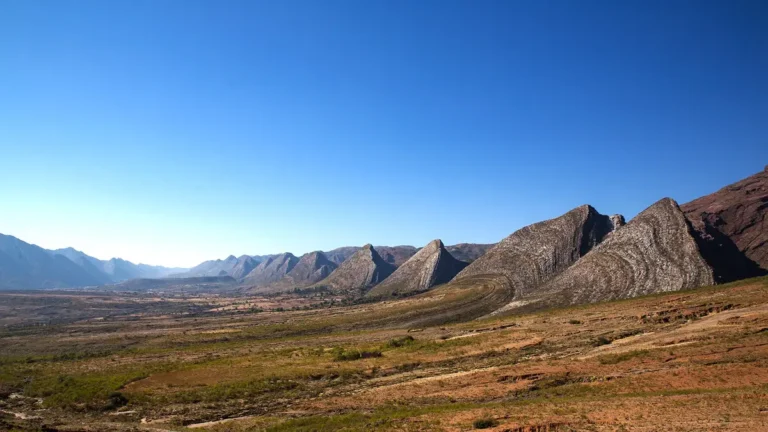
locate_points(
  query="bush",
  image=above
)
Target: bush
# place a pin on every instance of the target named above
(349, 355)
(602, 340)
(574, 321)
(484, 423)
(401, 341)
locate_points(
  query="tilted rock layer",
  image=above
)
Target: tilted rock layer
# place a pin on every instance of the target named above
(655, 252)
(732, 228)
(271, 270)
(432, 265)
(358, 273)
(536, 253)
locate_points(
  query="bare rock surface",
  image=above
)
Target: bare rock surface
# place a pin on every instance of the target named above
(271, 270)
(732, 228)
(358, 273)
(536, 253)
(655, 252)
(432, 265)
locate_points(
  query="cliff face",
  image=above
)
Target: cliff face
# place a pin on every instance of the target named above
(537, 253)
(655, 252)
(358, 273)
(732, 228)
(432, 265)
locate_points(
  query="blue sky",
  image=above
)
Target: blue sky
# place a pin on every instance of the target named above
(170, 132)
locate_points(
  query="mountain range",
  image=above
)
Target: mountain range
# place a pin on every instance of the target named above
(580, 256)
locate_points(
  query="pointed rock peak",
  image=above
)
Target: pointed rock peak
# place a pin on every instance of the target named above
(368, 246)
(231, 258)
(435, 244)
(617, 221)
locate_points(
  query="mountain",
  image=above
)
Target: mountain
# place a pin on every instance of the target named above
(363, 270)
(217, 267)
(311, 268)
(244, 265)
(271, 270)
(339, 255)
(655, 252)
(732, 228)
(26, 266)
(430, 266)
(468, 252)
(115, 269)
(536, 253)
(396, 255)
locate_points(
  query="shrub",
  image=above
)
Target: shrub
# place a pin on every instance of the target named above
(349, 355)
(601, 340)
(401, 341)
(484, 423)
(574, 321)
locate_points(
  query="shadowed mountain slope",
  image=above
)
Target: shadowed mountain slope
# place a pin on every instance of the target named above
(536, 253)
(396, 255)
(364, 269)
(732, 228)
(430, 266)
(655, 252)
(271, 270)
(26, 266)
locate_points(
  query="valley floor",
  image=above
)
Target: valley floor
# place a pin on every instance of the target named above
(685, 361)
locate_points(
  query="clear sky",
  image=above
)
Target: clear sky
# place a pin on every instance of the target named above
(170, 132)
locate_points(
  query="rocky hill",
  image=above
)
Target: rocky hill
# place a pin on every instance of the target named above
(430, 266)
(396, 255)
(536, 253)
(655, 252)
(468, 252)
(356, 275)
(732, 228)
(271, 270)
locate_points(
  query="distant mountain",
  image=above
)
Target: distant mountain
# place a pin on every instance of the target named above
(430, 266)
(26, 266)
(244, 265)
(396, 255)
(468, 252)
(310, 268)
(339, 255)
(216, 267)
(271, 270)
(655, 252)
(732, 228)
(355, 276)
(536, 253)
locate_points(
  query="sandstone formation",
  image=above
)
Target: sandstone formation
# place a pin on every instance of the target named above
(271, 270)
(356, 275)
(536, 253)
(732, 228)
(468, 252)
(655, 252)
(430, 266)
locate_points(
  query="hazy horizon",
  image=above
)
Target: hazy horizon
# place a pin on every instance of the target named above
(174, 132)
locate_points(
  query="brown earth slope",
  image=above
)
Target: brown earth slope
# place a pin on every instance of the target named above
(655, 252)
(732, 228)
(358, 273)
(538, 252)
(432, 265)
